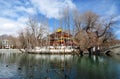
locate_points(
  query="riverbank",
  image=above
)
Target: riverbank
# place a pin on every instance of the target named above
(10, 51)
(53, 52)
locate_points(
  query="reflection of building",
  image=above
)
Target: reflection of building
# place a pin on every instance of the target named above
(60, 38)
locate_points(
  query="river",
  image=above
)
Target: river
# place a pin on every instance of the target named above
(35, 66)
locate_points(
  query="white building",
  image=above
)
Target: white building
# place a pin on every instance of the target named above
(6, 44)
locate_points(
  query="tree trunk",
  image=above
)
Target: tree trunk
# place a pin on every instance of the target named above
(80, 52)
(89, 51)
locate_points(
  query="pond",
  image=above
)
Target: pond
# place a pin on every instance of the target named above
(35, 66)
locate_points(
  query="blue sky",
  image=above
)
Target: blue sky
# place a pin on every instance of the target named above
(14, 13)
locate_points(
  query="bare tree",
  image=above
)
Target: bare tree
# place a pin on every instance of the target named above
(22, 40)
(67, 19)
(96, 30)
(34, 33)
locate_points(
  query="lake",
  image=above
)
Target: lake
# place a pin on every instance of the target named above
(35, 66)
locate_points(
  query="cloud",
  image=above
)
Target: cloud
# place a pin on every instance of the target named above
(11, 27)
(117, 18)
(117, 34)
(29, 10)
(13, 15)
(52, 8)
(112, 10)
(16, 8)
(9, 13)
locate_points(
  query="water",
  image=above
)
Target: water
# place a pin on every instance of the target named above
(32, 66)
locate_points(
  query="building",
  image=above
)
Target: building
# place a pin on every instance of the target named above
(6, 44)
(60, 38)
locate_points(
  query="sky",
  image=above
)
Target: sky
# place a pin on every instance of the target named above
(15, 13)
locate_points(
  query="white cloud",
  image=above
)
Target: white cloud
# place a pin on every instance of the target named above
(117, 18)
(9, 13)
(112, 10)
(28, 10)
(16, 9)
(13, 15)
(10, 27)
(52, 8)
(117, 34)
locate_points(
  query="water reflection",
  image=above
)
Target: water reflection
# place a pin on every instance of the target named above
(96, 67)
(32, 66)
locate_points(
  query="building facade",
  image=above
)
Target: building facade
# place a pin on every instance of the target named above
(60, 38)
(6, 44)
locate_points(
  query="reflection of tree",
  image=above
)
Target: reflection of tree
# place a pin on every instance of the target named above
(32, 67)
(55, 68)
(10, 58)
(93, 68)
(62, 68)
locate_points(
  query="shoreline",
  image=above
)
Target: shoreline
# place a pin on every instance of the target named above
(10, 51)
(52, 53)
